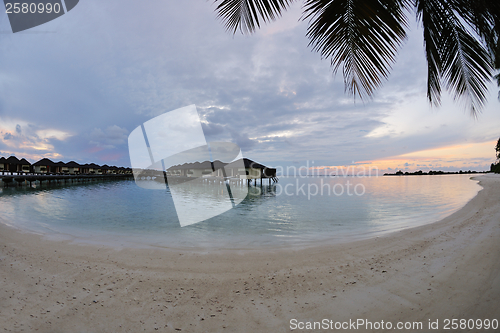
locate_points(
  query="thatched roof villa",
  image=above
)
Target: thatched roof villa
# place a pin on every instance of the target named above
(47, 166)
(13, 164)
(242, 169)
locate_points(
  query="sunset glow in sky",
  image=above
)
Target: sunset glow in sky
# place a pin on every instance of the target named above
(74, 89)
(465, 157)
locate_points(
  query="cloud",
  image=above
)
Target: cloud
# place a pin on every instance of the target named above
(267, 92)
(29, 140)
(242, 140)
(109, 138)
(212, 129)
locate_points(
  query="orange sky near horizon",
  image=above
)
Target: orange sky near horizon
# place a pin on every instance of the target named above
(470, 156)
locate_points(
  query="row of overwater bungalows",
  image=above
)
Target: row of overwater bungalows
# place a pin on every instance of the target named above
(45, 166)
(242, 169)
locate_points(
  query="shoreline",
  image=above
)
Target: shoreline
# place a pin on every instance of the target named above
(443, 270)
(241, 240)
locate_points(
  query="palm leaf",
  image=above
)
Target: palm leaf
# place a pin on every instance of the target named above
(246, 15)
(465, 64)
(361, 35)
(484, 17)
(431, 13)
(467, 68)
(497, 78)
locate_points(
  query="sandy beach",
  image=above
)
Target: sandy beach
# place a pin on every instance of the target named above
(446, 270)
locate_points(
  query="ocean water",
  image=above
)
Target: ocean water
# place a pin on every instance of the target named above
(294, 212)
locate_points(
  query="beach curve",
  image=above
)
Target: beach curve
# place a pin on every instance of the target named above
(444, 270)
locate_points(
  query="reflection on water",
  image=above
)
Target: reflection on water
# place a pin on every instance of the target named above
(196, 201)
(294, 211)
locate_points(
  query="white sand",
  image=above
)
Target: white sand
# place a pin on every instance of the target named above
(449, 269)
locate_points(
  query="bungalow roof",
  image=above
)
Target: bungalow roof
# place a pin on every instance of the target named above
(73, 164)
(44, 162)
(12, 160)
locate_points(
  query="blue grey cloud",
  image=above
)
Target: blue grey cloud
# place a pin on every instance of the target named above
(104, 70)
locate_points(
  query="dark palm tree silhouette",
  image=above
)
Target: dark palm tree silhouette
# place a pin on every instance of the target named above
(461, 39)
(497, 149)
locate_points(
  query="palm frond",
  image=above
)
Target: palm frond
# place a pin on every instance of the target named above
(431, 13)
(246, 15)
(497, 78)
(362, 35)
(454, 54)
(484, 17)
(461, 39)
(466, 67)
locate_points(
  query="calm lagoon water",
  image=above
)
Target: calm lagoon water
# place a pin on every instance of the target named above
(120, 213)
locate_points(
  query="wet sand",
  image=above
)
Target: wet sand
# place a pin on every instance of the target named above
(445, 270)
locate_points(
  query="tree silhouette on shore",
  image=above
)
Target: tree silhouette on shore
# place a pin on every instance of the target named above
(496, 167)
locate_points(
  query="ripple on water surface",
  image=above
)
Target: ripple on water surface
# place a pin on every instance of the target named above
(296, 211)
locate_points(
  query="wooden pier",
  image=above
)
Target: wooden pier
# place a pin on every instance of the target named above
(18, 172)
(9, 179)
(159, 177)
(243, 170)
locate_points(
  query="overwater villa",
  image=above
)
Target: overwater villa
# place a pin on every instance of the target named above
(60, 167)
(94, 169)
(12, 164)
(241, 169)
(45, 166)
(73, 168)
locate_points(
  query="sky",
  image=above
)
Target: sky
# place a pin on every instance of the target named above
(76, 87)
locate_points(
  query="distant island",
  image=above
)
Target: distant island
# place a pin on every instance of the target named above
(421, 173)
